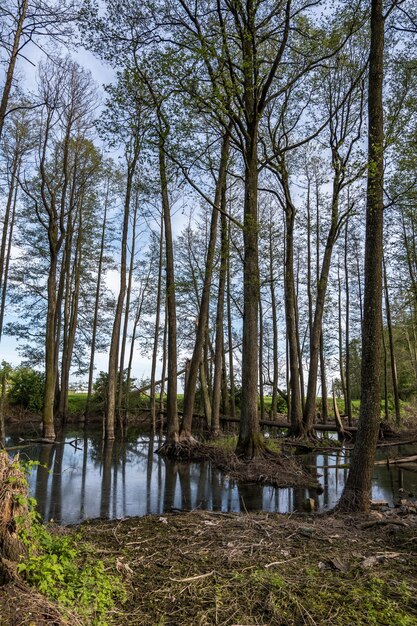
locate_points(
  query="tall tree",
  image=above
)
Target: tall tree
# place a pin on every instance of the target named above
(356, 494)
(26, 21)
(66, 92)
(125, 122)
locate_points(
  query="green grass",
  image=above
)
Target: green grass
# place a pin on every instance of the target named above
(77, 402)
(229, 443)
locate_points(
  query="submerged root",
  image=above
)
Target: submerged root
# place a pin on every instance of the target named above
(183, 451)
(268, 468)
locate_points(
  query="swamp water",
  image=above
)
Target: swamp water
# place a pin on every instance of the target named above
(90, 479)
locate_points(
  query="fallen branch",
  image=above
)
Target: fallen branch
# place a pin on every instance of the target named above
(396, 443)
(339, 423)
(191, 578)
(406, 459)
(384, 522)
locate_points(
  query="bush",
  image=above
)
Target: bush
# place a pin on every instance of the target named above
(62, 566)
(27, 388)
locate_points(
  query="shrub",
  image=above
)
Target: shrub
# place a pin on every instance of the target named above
(26, 388)
(63, 566)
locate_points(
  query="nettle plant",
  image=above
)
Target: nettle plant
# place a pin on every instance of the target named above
(63, 571)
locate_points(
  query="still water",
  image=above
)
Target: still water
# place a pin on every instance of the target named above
(92, 479)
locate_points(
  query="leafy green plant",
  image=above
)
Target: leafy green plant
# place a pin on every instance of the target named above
(65, 568)
(26, 388)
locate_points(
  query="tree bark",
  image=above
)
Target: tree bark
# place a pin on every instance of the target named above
(393, 361)
(232, 395)
(348, 408)
(294, 395)
(172, 410)
(205, 297)
(157, 324)
(3, 380)
(97, 303)
(274, 311)
(5, 253)
(317, 329)
(109, 424)
(356, 494)
(12, 62)
(219, 348)
(249, 442)
(261, 353)
(324, 405)
(120, 393)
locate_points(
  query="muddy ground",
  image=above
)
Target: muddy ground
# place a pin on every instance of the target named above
(218, 569)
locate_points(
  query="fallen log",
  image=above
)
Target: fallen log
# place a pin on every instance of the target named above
(397, 443)
(406, 459)
(273, 424)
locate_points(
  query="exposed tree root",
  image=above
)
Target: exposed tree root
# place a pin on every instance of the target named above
(268, 468)
(183, 451)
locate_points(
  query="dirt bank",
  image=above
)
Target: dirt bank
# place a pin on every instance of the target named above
(206, 569)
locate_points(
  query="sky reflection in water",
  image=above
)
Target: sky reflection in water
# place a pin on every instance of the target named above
(121, 479)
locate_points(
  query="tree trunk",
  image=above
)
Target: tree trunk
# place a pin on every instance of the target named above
(393, 361)
(274, 400)
(12, 62)
(219, 349)
(6, 253)
(340, 335)
(205, 297)
(120, 393)
(232, 396)
(50, 372)
(97, 304)
(324, 405)
(317, 329)
(358, 270)
(205, 394)
(71, 311)
(172, 411)
(164, 364)
(137, 319)
(3, 379)
(348, 408)
(109, 425)
(6, 220)
(249, 443)
(384, 351)
(157, 324)
(261, 353)
(294, 396)
(299, 348)
(356, 494)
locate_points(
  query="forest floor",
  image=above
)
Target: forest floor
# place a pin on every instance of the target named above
(219, 569)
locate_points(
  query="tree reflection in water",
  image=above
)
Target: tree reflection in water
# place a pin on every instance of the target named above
(127, 478)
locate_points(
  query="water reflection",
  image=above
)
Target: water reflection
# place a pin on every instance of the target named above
(91, 479)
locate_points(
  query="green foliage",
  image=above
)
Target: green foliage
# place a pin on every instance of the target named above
(57, 569)
(370, 602)
(100, 387)
(65, 568)
(26, 388)
(281, 404)
(5, 370)
(76, 403)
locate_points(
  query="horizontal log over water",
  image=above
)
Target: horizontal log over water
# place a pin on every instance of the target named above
(273, 424)
(270, 423)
